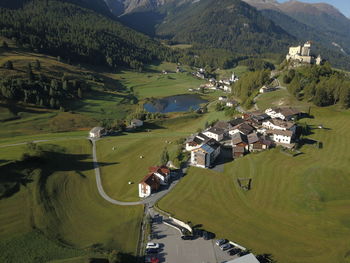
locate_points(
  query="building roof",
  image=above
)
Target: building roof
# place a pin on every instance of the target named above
(283, 124)
(287, 112)
(236, 121)
(159, 169)
(216, 130)
(280, 132)
(244, 128)
(96, 129)
(252, 138)
(239, 138)
(150, 179)
(222, 125)
(249, 258)
(213, 144)
(232, 101)
(206, 148)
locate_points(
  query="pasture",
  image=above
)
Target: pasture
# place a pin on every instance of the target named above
(59, 197)
(297, 209)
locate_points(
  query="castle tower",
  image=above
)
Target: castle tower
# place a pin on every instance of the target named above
(306, 49)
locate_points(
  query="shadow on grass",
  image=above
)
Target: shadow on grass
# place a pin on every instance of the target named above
(51, 159)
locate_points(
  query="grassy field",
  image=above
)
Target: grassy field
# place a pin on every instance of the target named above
(129, 147)
(61, 200)
(297, 209)
(152, 83)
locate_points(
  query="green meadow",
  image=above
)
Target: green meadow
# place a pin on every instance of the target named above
(297, 209)
(55, 211)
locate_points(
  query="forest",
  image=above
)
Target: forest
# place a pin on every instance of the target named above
(322, 85)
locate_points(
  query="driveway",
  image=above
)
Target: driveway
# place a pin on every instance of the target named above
(176, 250)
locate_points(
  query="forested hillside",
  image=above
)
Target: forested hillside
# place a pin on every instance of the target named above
(78, 35)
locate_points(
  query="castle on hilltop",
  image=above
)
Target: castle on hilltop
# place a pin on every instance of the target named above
(302, 54)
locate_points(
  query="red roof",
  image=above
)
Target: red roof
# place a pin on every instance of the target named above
(159, 169)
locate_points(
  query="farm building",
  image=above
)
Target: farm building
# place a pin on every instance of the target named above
(97, 132)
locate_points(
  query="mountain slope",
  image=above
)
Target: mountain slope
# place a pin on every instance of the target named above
(77, 34)
(328, 24)
(227, 24)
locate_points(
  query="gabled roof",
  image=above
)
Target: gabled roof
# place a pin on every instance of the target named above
(222, 125)
(282, 124)
(236, 121)
(150, 179)
(216, 130)
(244, 128)
(213, 144)
(280, 132)
(252, 138)
(238, 149)
(96, 129)
(159, 169)
(287, 111)
(239, 138)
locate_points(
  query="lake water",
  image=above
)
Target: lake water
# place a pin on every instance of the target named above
(178, 103)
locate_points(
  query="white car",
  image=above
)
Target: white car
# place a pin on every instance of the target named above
(152, 245)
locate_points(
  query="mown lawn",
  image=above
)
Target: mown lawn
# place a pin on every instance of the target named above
(61, 200)
(298, 207)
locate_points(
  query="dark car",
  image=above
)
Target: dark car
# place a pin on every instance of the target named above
(187, 237)
(208, 235)
(234, 251)
(151, 251)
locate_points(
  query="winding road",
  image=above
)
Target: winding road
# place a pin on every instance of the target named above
(149, 201)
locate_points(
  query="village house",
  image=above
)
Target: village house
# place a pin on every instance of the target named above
(206, 155)
(222, 98)
(196, 141)
(97, 132)
(215, 133)
(162, 172)
(243, 128)
(240, 145)
(277, 124)
(149, 184)
(281, 137)
(258, 143)
(231, 103)
(283, 113)
(136, 123)
(266, 89)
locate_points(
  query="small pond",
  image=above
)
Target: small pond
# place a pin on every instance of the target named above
(178, 103)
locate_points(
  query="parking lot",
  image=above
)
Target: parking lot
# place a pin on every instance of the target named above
(176, 250)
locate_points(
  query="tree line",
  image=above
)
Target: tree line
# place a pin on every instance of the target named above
(321, 85)
(39, 89)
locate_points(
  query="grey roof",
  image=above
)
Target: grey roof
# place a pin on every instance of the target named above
(252, 138)
(222, 125)
(238, 138)
(249, 258)
(236, 121)
(213, 144)
(279, 132)
(244, 128)
(238, 149)
(96, 129)
(216, 130)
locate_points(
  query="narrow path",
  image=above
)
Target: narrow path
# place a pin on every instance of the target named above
(100, 189)
(151, 200)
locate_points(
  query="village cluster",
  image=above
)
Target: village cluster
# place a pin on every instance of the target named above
(213, 84)
(253, 132)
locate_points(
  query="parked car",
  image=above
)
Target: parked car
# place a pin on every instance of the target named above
(151, 259)
(221, 242)
(187, 237)
(225, 246)
(234, 251)
(152, 245)
(151, 251)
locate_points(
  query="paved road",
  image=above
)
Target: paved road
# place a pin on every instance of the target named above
(150, 200)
